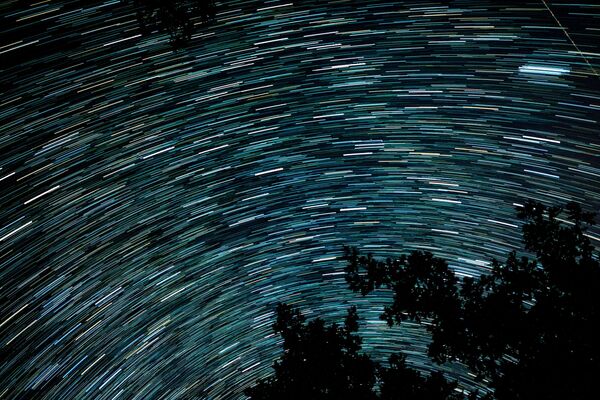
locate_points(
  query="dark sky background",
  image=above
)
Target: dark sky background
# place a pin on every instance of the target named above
(156, 205)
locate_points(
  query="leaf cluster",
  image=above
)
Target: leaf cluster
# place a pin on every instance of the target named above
(325, 363)
(319, 361)
(528, 325)
(175, 17)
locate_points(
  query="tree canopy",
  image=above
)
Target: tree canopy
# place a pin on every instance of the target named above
(528, 326)
(319, 362)
(175, 17)
(324, 362)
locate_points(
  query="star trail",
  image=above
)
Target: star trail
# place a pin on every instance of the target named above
(155, 204)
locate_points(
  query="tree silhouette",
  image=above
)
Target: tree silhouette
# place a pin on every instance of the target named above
(528, 326)
(319, 362)
(324, 363)
(176, 17)
(398, 381)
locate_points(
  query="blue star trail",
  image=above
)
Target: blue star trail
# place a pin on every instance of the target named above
(156, 204)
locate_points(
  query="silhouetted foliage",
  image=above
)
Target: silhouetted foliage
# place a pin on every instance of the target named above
(319, 362)
(176, 17)
(398, 381)
(528, 326)
(324, 362)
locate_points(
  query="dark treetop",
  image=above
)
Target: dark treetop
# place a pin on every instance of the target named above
(177, 17)
(323, 362)
(527, 327)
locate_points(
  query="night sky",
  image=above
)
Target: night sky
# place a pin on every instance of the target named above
(155, 205)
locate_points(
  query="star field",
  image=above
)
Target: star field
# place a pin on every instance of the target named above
(156, 204)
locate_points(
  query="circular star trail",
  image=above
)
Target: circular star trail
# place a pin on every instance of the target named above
(155, 204)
